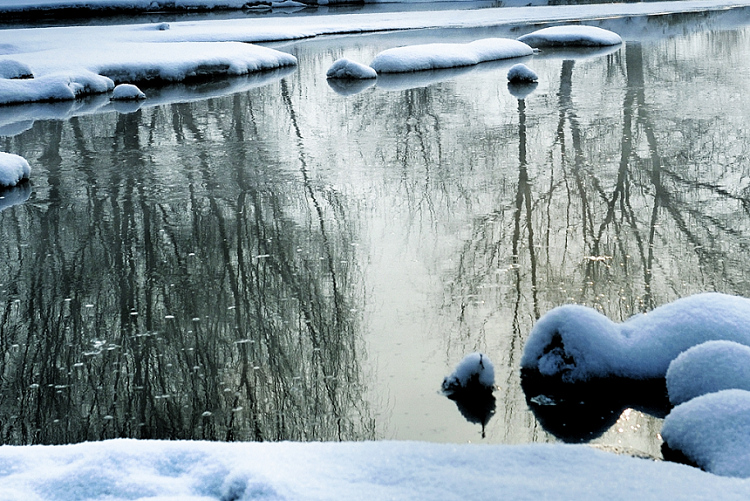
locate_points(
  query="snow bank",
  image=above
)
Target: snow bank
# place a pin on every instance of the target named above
(347, 69)
(447, 55)
(564, 36)
(520, 73)
(708, 368)
(475, 371)
(10, 68)
(13, 169)
(713, 431)
(56, 87)
(202, 471)
(577, 343)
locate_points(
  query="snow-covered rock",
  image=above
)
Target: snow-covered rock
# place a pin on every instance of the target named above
(10, 68)
(13, 169)
(577, 343)
(520, 73)
(564, 36)
(127, 92)
(474, 372)
(713, 431)
(347, 69)
(707, 368)
(56, 87)
(447, 55)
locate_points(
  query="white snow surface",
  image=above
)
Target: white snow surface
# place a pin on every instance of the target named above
(520, 73)
(347, 69)
(202, 471)
(474, 369)
(577, 343)
(571, 35)
(13, 69)
(707, 368)
(447, 55)
(125, 92)
(13, 169)
(713, 431)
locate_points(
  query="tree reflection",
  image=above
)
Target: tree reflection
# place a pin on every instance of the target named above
(194, 294)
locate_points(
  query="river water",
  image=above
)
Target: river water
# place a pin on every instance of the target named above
(277, 258)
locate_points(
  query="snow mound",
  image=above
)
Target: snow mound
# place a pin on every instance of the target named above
(10, 68)
(447, 55)
(520, 73)
(577, 343)
(474, 372)
(564, 36)
(707, 368)
(347, 69)
(127, 92)
(713, 431)
(13, 169)
(56, 87)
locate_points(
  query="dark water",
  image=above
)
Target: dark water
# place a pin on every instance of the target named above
(285, 262)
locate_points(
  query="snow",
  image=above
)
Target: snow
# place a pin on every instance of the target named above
(13, 169)
(474, 371)
(13, 69)
(571, 35)
(447, 55)
(713, 431)
(125, 92)
(344, 68)
(577, 342)
(520, 73)
(707, 368)
(201, 471)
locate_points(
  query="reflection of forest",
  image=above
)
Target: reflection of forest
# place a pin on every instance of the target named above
(236, 251)
(168, 284)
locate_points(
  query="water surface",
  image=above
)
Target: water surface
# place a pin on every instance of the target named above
(298, 261)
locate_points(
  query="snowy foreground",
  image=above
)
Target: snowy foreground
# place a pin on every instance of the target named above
(191, 471)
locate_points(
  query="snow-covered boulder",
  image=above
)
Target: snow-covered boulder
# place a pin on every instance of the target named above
(13, 169)
(576, 343)
(474, 373)
(347, 69)
(520, 73)
(707, 368)
(713, 431)
(10, 68)
(447, 55)
(571, 35)
(127, 92)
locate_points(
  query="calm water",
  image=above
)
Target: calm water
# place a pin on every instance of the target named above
(284, 260)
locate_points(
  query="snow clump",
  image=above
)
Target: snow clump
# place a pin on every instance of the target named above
(475, 372)
(13, 169)
(347, 69)
(571, 35)
(10, 68)
(126, 92)
(577, 343)
(447, 55)
(713, 431)
(520, 73)
(707, 368)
